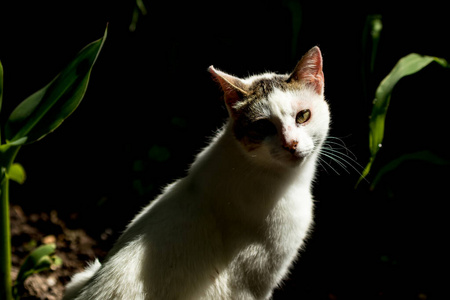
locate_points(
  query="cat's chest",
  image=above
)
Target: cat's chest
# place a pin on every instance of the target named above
(282, 228)
(268, 216)
(262, 259)
(288, 223)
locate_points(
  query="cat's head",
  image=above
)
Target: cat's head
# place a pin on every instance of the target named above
(280, 119)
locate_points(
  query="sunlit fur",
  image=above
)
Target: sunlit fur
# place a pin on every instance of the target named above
(232, 227)
(281, 108)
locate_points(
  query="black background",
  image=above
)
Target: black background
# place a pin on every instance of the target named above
(151, 105)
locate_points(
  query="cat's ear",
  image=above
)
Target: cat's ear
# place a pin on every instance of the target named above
(234, 89)
(309, 70)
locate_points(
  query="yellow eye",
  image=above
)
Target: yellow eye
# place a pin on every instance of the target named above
(303, 116)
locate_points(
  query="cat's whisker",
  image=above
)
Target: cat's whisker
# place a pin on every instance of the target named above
(319, 161)
(333, 158)
(333, 150)
(340, 143)
(343, 156)
(345, 159)
(326, 163)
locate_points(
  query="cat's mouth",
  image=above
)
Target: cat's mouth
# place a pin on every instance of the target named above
(299, 156)
(292, 158)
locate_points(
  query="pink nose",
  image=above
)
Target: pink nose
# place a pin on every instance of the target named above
(290, 146)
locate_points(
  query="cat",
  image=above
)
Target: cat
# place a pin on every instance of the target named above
(233, 226)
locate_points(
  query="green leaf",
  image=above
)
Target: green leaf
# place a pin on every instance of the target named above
(426, 156)
(46, 109)
(17, 173)
(407, 65)
(39, 260)
(8, 152)
(365, 172)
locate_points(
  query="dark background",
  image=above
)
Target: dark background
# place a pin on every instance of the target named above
(151, 105)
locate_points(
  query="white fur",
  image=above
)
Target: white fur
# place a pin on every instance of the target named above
(229, 230)
(79, 280)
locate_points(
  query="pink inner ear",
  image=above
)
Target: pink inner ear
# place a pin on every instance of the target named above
(309, 70)
(233, 87)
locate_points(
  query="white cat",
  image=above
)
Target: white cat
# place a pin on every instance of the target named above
(232, 227)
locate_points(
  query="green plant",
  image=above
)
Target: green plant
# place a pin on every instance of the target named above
(407, 65)
(41, 259)
(370, 41)
(30, 121)
(139, 9)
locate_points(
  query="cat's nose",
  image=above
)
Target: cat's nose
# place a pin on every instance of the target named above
(290, 146)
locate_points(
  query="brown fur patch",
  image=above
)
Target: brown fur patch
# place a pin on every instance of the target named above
(248, 111)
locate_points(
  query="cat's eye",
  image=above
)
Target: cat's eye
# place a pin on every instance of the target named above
(303, 116)
(260, 129)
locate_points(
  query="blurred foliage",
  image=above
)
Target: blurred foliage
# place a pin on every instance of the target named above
(41, 259)
(17, 173)
(425, 156)
(295, 10)
(370, 41)
(138, 10)
(145, 181)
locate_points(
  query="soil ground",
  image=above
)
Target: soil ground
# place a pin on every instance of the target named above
(74, 246)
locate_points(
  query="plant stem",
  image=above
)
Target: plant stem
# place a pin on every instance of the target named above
(7, 156)
(5, 243)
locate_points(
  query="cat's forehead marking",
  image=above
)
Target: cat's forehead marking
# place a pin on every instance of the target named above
(267, 95)
(261, 88)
